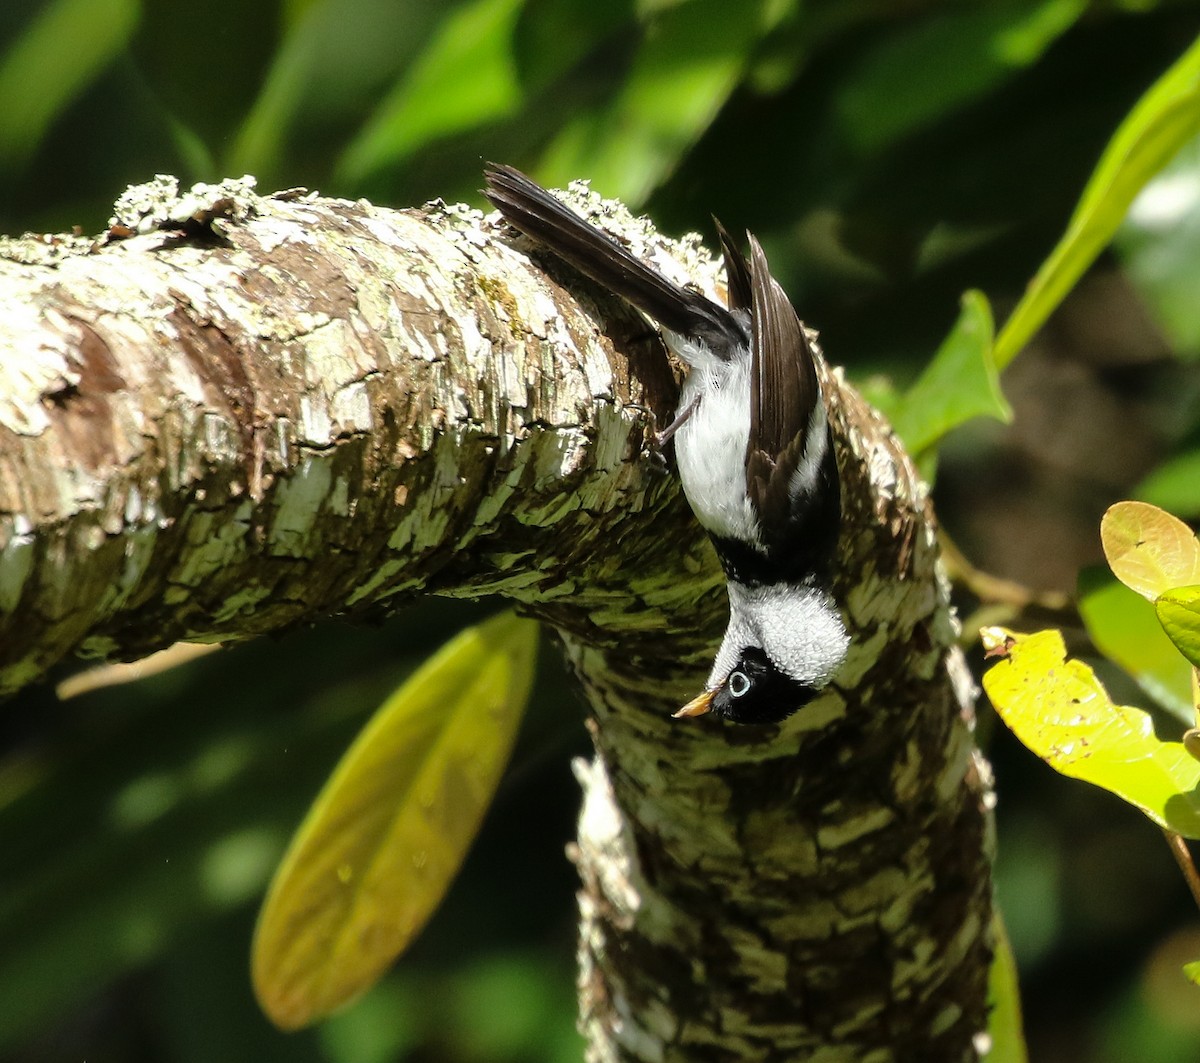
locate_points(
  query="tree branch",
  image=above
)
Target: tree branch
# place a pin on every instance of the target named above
(234, 414)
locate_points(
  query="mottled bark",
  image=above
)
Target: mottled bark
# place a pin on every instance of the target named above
(234, 414)
(820, 892)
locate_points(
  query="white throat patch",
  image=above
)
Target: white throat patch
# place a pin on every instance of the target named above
(798, 628)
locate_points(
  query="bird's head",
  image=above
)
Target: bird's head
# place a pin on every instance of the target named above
(783, 646)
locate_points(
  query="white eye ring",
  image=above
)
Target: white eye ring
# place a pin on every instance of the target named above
(739, 684)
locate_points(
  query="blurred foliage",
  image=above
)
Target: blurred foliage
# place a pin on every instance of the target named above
(1005, 1026)
(1158, 127)
(891, 157)
(141, 825)
(386, 836)
(959, 383)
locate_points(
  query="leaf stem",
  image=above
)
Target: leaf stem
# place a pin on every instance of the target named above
(996, 589)
(1001, 600)
(1183, 857)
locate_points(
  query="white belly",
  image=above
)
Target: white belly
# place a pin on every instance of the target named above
(710, 447)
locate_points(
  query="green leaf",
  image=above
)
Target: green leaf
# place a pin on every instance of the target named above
(1059, 709)
(465, 77)
(59, 53)
(1179, 613)
(691, 59)
(960, 383)
(1149, 550)
(1005, 1025)
(1161, 122)
(388, 832)
(1191, 971)
(1124, 627)
(938, 64)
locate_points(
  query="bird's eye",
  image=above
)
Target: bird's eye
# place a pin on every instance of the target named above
(739, 684)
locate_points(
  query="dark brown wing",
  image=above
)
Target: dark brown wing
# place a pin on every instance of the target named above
(737, 270)
(783, 396)
(533, 210)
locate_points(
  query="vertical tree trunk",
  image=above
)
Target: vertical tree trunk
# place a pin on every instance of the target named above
(817, 891)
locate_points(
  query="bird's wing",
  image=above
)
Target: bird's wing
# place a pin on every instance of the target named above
(530, 208)
(784, 400)
(737, 271)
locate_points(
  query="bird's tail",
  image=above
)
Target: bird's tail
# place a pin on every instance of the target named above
(529, 207)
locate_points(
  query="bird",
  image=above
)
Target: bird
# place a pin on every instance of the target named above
(753, 448)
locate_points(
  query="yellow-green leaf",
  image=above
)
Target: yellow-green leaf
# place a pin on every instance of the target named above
(1179, 613)
(1191, 971)
(1059, 709)
(389, 830)
(1149, 550)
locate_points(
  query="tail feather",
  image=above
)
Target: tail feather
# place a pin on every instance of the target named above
(529, 207)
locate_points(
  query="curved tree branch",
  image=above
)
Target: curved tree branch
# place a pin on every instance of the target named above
(234, 414)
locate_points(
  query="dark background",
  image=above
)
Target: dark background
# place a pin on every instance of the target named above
(890, 155)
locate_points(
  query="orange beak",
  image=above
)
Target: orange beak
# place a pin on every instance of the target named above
(698, 706)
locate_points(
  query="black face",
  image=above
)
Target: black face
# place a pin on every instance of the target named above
(757, 692)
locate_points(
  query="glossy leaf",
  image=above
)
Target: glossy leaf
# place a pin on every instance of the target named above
(1179, 612)
(1124, 627)
(388, 832)
(1163, 120)
(1149, 550)
(1059, 709)
(960, 383)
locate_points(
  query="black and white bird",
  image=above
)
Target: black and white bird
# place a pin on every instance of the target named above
(753, 447)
